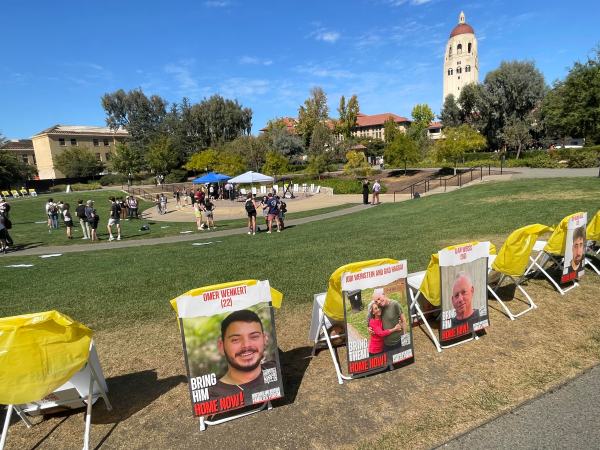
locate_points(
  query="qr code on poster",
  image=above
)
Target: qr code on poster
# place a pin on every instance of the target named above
(270, 375)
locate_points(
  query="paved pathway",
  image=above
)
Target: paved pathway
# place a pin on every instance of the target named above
(568, 417)
(104, 245)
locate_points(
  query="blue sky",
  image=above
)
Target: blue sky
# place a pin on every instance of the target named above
(59, 57)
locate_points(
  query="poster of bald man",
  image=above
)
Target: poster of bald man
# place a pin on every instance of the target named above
(574, 248)
(463, 288)
(378, 329)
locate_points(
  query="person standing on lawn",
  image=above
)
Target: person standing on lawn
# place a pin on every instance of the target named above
(114, 219)
(273, 212)
(250, 207)
(83, 223)
(365, 191)
(68, 220)
(376, 189)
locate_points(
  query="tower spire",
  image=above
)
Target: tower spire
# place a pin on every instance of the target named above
(461, 17)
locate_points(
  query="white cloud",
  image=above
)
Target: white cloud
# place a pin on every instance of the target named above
(325, 35)
(237, 87)
(324, 70)
(217, 3)
(252, 60)
(181, 72)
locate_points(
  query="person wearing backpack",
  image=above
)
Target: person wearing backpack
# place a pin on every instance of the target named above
(83, 223)
(3, 233)
(282, 210)
(114, 219)
(250, 207)
(92, 218)
(52, 212)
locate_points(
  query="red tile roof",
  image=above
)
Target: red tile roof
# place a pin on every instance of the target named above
(364, 120)
(21, 144)
(435, 125)
(462, 28)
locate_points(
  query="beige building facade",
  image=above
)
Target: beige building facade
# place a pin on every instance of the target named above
(461, 63)
(22, 149)
(100, 141)
(372, 126)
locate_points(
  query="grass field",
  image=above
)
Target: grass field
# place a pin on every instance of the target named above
(108, 288)
(30, 229)
(123, 295)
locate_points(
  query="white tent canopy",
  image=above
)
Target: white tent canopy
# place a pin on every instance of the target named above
(251, 177)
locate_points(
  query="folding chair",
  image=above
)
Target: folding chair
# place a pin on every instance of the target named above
(312, 188)
(318, 190)
(23, 192)
(253, 190)
(263, 190)
(592, 234)
(32, 192)
(5, 194)
(48, 362)
(15, 193)
(296, 188)
(512, 260)
(553, 251)
(243, 192)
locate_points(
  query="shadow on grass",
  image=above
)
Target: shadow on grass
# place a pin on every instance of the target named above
(293, 366)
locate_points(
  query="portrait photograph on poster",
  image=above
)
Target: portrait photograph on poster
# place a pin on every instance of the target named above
(231, 356)
(575, 242)
(377, 317)
(463, 273)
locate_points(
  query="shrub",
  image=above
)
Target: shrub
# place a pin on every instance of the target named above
(113, 178)
(76, 187)
(581, 158)
(176, 176)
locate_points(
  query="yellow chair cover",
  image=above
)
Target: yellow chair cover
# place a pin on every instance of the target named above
(39, 353)
(592, 233)
(334, 302)
(430, 287)
(276, 296)
(513, 256)
(556, 243)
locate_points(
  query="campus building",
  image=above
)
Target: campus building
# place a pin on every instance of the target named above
(48, 143)
(372, 126)
(22, 149)
(461, 64)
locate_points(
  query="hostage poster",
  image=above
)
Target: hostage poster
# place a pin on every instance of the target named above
(377, 318)
(574, 261)
(463, 288)
(230, 347)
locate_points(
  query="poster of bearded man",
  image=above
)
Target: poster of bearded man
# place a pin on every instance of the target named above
(574, 248)
(230, 347)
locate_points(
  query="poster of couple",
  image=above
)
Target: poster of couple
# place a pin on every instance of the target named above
(377, 318)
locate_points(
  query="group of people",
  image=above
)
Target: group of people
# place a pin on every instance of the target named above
(273, 210)
(375, 190)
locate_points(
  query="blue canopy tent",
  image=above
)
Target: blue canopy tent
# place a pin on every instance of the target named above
(211, 177)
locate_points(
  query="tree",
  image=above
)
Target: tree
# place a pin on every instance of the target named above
(357, 164)
(516, 135)
(275, 163)
(470, 102)
(510, 92)
(451, 113)
(321, 140)
(422, 116)
(317, 164)
(572, 107)
(252, 150)
(402, 150)
(348, 115)
(141, 116)
(313, 112)
(390, 129)
(203, 161)
(127, 160)
(77, 162)
(286, 143)
(457, 142)
(11, 169)
(230, 163)
(162, 157)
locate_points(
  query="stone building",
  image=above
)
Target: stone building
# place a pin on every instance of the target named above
(22, 149)
(461, 65)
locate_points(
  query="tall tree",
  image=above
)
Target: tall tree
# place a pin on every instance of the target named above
(78, 162)
(127, 160)
(348, 115)
(390, 129)
(321, 140)
(451, 114)
(470, 103)
(140, 115)
(12, 170)
(402, 150)
(203, 161)
(314, 111)
(162, 156)
(422, 116)
(275, 163)
(572, 107)
(458, 141)
(516, 135)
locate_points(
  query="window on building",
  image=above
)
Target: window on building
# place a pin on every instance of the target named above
(106, 142)
(458, 63)
(458, 70)
(469, 48)
(25, 159)
(450, 71)
(467, 68)
(96, 143)
(73, 141)
(459, 49)
(98, 157)
(450, 51)
(107, 156)
(61, 142)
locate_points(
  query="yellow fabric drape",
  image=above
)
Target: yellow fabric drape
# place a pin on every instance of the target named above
(556, 243)
(430, 287)
(513, 257)
(334, 302)
(592, 232)
(39, 353)
(276, 296)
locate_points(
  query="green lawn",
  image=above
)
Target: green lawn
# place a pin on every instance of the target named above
(29, 220)
(106, 289)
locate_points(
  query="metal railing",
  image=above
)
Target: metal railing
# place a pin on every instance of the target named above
(438, 181)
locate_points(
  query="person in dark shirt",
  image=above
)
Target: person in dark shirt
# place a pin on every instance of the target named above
(462, 301)
(242, 343)
(273, 212)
